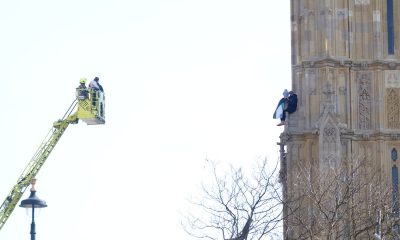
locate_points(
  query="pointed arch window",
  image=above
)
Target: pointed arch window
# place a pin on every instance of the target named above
(390, 26)
(395, 181)
(394, 154)
(395, 193)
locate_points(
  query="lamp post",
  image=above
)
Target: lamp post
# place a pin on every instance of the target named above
(33, 202)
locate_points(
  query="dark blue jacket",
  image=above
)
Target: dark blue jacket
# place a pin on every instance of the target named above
(292, 103)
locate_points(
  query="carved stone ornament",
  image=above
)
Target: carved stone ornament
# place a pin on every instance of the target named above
(364, 65)
(328, 92)
(376, 16)
(311, 78)
(394, 137)
(362, 2)
(364, 101)
(392, 65)
(342, 90)
(341, 13)
(329, 130)
(393, 108)
(312, 91)
(392, 78)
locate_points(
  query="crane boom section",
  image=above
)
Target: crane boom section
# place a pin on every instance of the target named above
(91, 109)
(34, 166)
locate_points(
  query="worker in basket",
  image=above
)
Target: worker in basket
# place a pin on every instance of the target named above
(82, 91)
(95, 86)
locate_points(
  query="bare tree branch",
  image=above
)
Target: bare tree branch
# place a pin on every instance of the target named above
(347, 202)
(237, 207)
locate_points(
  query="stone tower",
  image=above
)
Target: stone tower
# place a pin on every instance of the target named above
(346, 73)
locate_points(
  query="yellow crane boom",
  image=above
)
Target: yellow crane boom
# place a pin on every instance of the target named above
(91, 109)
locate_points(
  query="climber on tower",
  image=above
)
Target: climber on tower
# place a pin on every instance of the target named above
(288, 104)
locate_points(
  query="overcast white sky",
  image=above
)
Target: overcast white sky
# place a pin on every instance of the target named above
(184, 80)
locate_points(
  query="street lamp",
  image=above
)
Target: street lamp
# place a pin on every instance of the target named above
(33, 202)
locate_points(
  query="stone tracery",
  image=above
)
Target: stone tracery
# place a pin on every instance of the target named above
(393, 108)
(364, 103)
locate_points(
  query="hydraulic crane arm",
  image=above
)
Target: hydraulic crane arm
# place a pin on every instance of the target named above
(34, 166)
(90, 110)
